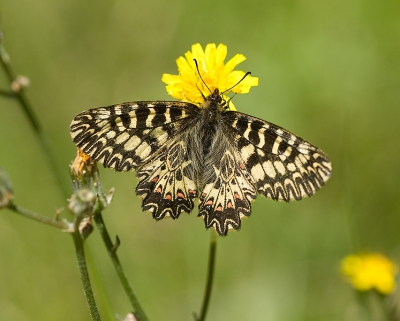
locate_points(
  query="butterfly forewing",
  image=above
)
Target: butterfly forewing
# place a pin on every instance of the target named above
(282, 165)
(127, 135)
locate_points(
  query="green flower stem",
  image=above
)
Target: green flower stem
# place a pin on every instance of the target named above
(7, 93)
(388, 306)
(112, 251)
(26, 106)
(44, 142)
(363, 298)
(78, 242)
(39, 218)
(87, 287)
(210, 277)
(33, 120)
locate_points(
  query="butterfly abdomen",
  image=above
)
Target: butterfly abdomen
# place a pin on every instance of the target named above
(206, 141)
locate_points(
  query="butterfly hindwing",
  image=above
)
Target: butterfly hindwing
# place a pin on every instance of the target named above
(165, 182)
(124, 136)
(227, 195)
(283, 166)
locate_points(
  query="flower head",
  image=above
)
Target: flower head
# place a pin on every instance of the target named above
(188, 86)
(80, 163)
(370, 271)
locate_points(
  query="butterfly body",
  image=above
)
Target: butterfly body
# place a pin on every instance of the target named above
(183, 152)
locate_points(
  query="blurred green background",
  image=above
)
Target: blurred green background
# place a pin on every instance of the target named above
(329, 71)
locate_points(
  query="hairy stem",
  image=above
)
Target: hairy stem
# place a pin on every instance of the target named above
(87, 287)
(112, 251)
(37, 217)
(210, 276)
(44, 142)
(31, 116)
(33, 120)
(78, 242)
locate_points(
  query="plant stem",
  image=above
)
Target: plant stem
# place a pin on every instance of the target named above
(87, 288)
(365, 305)
(44, 142)
(33, 120)
(210, 276)
(112, 251)
(37, 217)
(388, 306)
(78, 242)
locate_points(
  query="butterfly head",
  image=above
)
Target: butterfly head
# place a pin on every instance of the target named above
(215, 97)
(216, 101)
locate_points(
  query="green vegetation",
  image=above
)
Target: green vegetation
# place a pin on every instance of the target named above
(329, 71)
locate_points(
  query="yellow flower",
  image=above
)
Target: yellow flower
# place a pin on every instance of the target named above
(368, 271)
(187, 86)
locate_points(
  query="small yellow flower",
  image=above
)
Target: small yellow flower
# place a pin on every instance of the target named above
(187, 86)
(368, 271)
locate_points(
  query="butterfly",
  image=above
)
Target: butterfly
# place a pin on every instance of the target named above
(182, 152)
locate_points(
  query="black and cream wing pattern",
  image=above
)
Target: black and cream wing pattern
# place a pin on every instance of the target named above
(183, 152)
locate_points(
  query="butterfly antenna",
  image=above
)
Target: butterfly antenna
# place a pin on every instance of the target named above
(245, 75)
(204, 97)
(198, 71)
(227, 102)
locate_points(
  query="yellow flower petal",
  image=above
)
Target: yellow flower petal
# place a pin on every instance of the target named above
(209, 56)
(370, 271)
(222, 52)
(231, 64)
(216, 74)
(170, 79)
